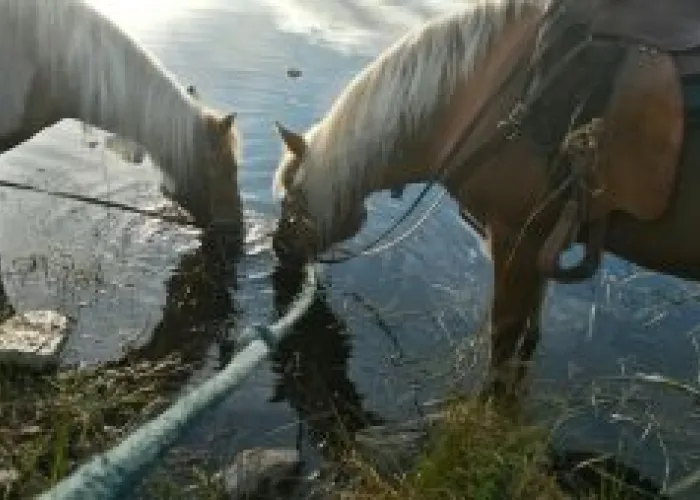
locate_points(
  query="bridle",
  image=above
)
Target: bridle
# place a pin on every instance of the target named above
(506, 131)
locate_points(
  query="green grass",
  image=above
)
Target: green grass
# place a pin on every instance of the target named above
(478, 454)
(474, 453)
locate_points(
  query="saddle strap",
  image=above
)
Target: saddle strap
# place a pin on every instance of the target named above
(580, 153)
(566, 230)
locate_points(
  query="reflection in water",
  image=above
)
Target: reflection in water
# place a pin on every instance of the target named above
(311, 368)
(197, 310)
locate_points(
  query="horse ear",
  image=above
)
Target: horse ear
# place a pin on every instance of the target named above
(294, 142)
(227, 121)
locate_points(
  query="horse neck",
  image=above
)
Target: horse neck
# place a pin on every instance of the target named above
(481, 100)
(97, 74)
(470, 108)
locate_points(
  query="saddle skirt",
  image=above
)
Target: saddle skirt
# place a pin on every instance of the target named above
(643, 130)
(667, 25)
(643, 51)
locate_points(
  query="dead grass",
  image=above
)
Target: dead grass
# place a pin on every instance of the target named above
(50, 424)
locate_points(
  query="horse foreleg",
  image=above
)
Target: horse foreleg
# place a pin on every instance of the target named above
(518, 293)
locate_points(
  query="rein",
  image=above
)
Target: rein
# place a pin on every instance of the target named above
(510, 128)
(178, 219)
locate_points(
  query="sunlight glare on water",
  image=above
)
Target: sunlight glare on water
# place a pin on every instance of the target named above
(355, 26)
(139, 14)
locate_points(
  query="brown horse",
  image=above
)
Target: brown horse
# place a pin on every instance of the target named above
(433, 107)
(62, 59)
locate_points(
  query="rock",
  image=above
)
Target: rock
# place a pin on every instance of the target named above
(33, 339)
(260, 473)
(126, 149)
(8, 476)
(393, 449)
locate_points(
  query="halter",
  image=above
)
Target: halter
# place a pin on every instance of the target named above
(509, 129)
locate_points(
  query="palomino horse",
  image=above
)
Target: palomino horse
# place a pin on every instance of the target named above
(62, 59)
(547, 123)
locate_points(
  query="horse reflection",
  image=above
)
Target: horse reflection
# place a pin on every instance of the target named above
(311, 366)
(197, 311)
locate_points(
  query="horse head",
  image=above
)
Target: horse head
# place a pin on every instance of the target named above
(222, 172)
(307, 227)
(213, 198)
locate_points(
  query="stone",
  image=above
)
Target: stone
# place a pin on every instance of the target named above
(126, 149)
(8, 476)
(33, 339)
(393, 449)
(262, 473)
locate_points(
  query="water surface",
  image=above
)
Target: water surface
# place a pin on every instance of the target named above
(382, 338)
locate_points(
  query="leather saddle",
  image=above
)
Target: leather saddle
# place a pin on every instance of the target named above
(639, 144)
(667, 25)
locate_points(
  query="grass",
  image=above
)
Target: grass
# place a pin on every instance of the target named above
(478, 454)
(474, 453)
(49, 424)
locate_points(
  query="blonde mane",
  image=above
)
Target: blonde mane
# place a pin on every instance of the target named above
(392, 100)
(98, 73)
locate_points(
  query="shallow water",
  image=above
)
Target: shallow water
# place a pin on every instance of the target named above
(377, 343)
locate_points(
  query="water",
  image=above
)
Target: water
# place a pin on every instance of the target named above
(375, 346)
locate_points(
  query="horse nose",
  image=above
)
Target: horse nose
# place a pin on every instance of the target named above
(286, 251)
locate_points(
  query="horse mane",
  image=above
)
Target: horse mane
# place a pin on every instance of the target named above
(106, 78)
(390, 101)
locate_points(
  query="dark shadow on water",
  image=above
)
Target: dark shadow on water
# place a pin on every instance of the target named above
(198, 310)
(311, 367)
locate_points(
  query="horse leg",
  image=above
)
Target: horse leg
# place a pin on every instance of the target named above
(518, 293)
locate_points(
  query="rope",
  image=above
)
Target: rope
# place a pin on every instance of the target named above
(178, 219)
(113, 474)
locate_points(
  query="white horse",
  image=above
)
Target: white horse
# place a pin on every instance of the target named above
(63, 59)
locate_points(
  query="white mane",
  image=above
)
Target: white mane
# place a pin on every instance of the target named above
(393, 99)
(106, 78)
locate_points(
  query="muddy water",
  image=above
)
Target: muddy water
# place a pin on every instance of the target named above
(383, 337)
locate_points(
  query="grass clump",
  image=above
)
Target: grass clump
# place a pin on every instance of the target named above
(478, 453)
(475, 453)
(49, 424)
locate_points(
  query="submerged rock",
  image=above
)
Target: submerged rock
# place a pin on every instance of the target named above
(394, 448)
(33, 339)
(260, 474)
(8, 476)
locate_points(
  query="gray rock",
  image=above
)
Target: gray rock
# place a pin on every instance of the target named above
(8, 476)
(260, 473)
(33, 339)
(393, 449)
